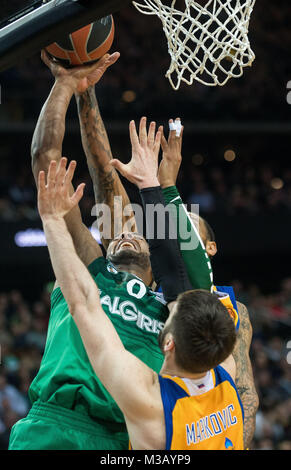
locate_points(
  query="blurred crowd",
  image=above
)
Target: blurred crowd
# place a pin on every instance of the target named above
(270, 316)
(227, 189)
(23, 327)
(252, 189)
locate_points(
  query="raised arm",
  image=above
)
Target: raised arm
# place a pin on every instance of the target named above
(166, 261)
(192, 248)
(132, 384)
(106, 182)
(48, 139)
(244, 375)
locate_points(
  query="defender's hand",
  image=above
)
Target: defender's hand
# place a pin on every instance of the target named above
(80, 78)
(143, 168)
(172, 158)
(54, 199)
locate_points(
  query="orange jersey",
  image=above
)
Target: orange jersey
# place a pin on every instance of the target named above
(227, 297)
(203, 414)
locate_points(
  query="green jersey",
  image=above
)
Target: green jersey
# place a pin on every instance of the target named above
(66, 377)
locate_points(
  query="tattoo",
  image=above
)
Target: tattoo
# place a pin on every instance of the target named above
(94, 137)
(244, 375)
(103, 184)
(96, 147)
(106, 182)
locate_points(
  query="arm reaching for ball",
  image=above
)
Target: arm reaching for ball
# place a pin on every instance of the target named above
(106, 182)
(142, 170)
(49, 134)
(191, 245)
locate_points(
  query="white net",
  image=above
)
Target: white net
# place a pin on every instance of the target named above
(207, 40)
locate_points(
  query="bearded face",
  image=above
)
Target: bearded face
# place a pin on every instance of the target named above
(129, 249)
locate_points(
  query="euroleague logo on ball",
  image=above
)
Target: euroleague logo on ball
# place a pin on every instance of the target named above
(86, 45)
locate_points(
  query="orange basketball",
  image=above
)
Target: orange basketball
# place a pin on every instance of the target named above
(86, 45)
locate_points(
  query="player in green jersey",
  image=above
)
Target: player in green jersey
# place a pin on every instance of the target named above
(98, 153)
(199, 333)
(107, 185)
(70, 407)
(66, 391)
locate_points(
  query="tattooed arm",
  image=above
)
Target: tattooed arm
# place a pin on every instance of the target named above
(244, 374)
(106, 182)
(48, 139)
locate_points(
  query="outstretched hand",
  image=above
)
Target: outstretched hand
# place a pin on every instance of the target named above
(54, 199)
(172, 158)
(80, 78)
(142, 169)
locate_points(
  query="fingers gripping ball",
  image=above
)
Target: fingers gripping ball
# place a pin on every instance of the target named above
(86, 45)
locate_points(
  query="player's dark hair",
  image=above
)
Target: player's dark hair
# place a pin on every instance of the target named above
(210, 235)
(203, 331)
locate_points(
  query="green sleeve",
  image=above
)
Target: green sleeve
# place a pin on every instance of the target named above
(192, 248)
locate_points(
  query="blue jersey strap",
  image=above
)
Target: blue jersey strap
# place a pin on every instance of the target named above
(229, 290)
(221, 375)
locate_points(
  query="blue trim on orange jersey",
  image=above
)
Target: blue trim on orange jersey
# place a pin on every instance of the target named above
(221, 375)
(170, 393)
(229, 290)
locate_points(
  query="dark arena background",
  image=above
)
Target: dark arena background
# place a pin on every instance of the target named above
(236, 166)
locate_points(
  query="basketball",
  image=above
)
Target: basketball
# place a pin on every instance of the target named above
(86, 45)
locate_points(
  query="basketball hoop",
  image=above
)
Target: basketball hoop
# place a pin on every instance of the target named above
(207, 42)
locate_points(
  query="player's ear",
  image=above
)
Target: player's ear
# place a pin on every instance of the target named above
(211, 248)
(169, 344)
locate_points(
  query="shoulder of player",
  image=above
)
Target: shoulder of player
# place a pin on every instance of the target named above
(241, 307)
(244, 337)
(245, 323)
(97, 265)
(230, 366)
